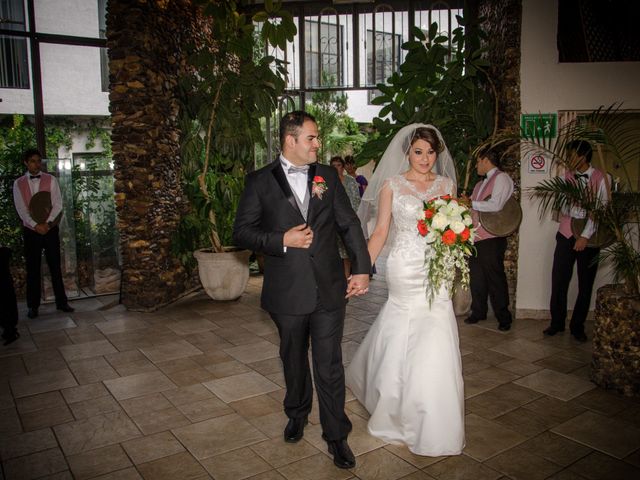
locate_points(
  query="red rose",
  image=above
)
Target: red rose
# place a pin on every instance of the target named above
(429, 213)
(422, 227)
(446, 197)
(449, 237)
(318, 179)
(464, 235)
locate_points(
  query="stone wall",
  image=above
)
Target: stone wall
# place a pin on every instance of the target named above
(503, 25)
(146, 40)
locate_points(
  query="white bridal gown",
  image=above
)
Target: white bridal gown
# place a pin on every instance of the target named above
(407, 372)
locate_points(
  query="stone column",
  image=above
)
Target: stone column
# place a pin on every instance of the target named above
(503, 25)
(146, 40)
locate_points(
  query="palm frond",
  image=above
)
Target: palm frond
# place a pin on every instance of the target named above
(558, 194)
(607, 131)
(626, 262)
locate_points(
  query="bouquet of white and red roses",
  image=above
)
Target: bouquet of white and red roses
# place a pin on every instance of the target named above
(446, 226)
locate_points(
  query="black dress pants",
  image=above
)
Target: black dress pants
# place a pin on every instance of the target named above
(8, 301)
(324, 328)
(564, 258)
(488, 280)
(34, 243)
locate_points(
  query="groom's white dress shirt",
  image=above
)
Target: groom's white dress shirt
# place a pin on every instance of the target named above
(297, 181)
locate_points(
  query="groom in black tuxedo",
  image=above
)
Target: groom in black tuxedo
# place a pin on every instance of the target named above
(292, 211)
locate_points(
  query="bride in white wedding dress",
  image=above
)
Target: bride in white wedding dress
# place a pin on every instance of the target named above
(407, 372)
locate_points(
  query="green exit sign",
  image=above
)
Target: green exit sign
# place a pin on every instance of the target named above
(539, 125)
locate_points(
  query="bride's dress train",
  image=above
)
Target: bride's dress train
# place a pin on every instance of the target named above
(407, 372)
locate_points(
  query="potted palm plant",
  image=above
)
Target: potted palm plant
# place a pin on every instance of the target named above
(233, 85)
(616, 336)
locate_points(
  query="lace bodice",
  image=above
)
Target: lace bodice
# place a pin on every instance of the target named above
(406, 210)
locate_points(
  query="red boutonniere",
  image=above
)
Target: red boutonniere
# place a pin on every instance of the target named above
(318, 187)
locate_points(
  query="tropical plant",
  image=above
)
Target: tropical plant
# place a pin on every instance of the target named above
(608, 132)
(443, 81)
(338, 133)
(17, 134)
(224, 99)
(14, 140)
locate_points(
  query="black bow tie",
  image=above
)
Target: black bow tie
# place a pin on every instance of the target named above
(582, 175)
(293, 169)
(34, 176)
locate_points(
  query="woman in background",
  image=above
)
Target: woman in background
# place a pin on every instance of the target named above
(351, 187)
(350, 166)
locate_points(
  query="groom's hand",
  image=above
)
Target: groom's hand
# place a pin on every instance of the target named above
(299, 236)
(358, 285)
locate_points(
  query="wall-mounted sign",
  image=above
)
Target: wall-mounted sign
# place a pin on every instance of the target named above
(537, 162)
(539, 125)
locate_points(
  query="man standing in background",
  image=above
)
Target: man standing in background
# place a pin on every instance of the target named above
(571, 250)
(487, 276)
(40, 236)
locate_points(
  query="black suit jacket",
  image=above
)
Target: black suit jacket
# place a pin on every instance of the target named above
(295, 279)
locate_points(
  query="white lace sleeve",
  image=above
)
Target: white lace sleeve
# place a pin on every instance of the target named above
(445, 186)
(451, 187)
(393, 183)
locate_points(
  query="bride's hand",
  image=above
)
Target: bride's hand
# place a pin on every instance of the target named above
(358, 285)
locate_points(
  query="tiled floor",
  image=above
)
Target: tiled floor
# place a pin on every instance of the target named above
(194, 391)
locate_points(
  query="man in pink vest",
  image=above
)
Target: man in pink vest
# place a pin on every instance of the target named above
(486, 268)
(570, 250)
(40, 236)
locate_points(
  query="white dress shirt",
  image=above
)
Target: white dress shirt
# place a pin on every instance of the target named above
(297, 181)
(34, 186)
(577, 212)
(502, 190)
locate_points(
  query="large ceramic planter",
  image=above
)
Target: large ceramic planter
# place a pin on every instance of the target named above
(224, 276)
(616, 341)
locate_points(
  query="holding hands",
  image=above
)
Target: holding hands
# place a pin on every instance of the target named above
(358, 285)
(301, 236)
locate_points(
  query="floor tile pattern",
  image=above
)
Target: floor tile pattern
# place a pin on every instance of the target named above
(195, 390)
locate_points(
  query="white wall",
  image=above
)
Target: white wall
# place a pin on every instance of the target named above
(16, 101)
(70, 74)
(548, 86)
(71, 82)
(68, 17)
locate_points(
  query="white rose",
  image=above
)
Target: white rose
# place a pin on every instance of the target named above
(455, 209)
(457, 227)
(467, 220)
(455, 218)
(439, 221)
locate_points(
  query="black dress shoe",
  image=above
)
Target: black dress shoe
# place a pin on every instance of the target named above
(471, 320)
(581, 337)
(504, 327)
(294, 430)
(33, 312)
(551, 331)
(10, 337)
(66, 308)
(342, 455)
